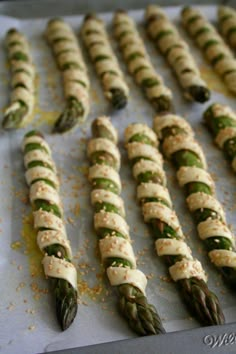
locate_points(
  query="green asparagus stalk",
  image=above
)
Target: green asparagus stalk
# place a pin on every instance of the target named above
(100, 52)
(70, 117)
(68, 56)
(141, 316)
(22, 81)
(217, 237)
(14, 115)
(221, 121)
(138, 62)
(202, 303)
(169, 42)
(211, 44)
(227, 24)
(64, 293)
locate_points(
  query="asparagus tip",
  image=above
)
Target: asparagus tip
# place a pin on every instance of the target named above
(118, 98)
(142, 317)
(66, 303)
(203, 303)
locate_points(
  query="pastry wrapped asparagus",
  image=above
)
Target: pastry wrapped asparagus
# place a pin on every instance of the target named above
(65, 47)
(41, 177)
(96, 41)
(176, 51)
(212, 45)
(227, 24)
(179, 145)
(221, 121)
(18, 113)
(139, 64)
(113, 232)
(152, 194)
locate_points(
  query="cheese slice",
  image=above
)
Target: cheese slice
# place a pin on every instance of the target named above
(170, 120)
(60, 268)
(107, 172)
(180, 142)
(35, 139)
(214, 228)
(202, 201)
(172, 247)
(36, 172)
(41, 190)
(143, 166)
(38, 155)
(188, 174)
(223, 258)
(142, 129)
(224, 135)
(112, 247)
(51, 237)
(48, 220)
(111, 221)
(102, 195)
(153, 190)
(155, 210)
(186, 269)
(103, 144)
(136, 149)
(118, 276)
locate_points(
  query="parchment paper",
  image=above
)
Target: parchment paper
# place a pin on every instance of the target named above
(27, 313)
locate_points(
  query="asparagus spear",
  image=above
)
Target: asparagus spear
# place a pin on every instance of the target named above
(227, 24)
(139, 64)
(186, 154)
(51, 238)
(70, 117)
(75, 79)
(202, 303)
(221, 121)
(141, 316)
(100, 51)
(176, 51)
(212, 45)
(22, 81)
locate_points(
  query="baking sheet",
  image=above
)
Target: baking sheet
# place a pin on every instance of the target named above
(27, 314)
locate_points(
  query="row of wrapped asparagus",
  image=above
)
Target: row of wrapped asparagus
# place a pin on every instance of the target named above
(165, 35)
(177, 143)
